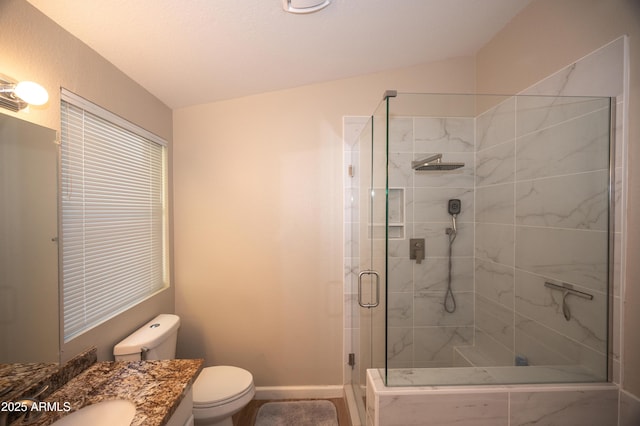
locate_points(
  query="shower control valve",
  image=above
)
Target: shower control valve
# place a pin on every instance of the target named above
(416, 249)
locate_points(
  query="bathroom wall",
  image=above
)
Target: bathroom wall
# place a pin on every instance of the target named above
(542, 201)
(259, 223)
(36, 48)
(514, 60)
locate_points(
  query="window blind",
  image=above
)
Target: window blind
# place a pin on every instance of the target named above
(113, 205)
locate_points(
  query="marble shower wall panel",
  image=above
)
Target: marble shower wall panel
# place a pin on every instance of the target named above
(496, 125)
(496, 321)
(432, 275)
(600, 73)
(434, 344)
(495, 282)
(574, 146)
(573, 256)
(461, 409)
(564, 404)
(561, 215)
(541, 213)
(495, 204)
(495, 238)
(494, 243)
(577, 202)
(443, 135)
(539, 112)
(566, 408)
(421, 333)
(495, 165)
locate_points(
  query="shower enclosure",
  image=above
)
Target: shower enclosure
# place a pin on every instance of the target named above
(478, 240)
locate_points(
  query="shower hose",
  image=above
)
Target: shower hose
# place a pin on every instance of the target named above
(449, 298)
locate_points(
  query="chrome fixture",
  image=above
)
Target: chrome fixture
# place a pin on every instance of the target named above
(15, 95)
(370, 304)
(434, 163)
(304, 6)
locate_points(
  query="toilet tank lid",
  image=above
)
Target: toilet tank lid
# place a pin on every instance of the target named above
(149, 335)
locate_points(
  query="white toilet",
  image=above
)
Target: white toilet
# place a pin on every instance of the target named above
(218, 392)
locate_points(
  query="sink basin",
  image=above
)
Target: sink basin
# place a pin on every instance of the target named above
(115, 412)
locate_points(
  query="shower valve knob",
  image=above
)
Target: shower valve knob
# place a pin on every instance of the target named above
(416, 249)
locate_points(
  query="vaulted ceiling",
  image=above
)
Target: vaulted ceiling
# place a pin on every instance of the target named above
(189, 52)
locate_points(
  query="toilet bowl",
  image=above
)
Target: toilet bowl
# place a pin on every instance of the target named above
(218, 392)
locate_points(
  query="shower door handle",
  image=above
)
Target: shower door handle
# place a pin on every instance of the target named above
(377, 300)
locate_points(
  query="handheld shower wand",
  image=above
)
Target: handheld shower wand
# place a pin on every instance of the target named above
(454, 210)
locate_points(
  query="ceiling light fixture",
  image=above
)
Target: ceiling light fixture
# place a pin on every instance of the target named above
(15, 96)
(304, 6)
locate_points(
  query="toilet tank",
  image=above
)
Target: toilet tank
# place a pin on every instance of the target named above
(156, 339)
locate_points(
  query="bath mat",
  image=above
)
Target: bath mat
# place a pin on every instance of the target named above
(297, 413)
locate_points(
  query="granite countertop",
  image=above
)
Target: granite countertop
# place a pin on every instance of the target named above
(156, 387)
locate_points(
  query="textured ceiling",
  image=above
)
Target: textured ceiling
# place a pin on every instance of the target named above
(188, 52)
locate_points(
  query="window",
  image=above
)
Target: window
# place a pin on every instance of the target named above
(113, 203)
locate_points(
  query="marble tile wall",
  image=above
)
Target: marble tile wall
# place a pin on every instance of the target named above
(555, 154)
(495, 236)
(570, 405)
(421, 332)
(602, 73)
(561, 227)
(541, 215)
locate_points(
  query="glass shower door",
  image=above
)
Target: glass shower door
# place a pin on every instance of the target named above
(368, 251)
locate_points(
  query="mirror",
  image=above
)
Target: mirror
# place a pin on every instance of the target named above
(29, 320)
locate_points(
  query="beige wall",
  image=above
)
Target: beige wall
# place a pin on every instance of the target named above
(258, 222)
(34, 48)
(544, 37)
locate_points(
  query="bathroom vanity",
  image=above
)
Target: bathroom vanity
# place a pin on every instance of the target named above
(160, 390)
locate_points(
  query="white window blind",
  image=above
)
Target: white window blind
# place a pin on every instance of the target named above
(113, 202)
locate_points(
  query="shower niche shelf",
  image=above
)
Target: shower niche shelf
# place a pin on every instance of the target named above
(396, 215)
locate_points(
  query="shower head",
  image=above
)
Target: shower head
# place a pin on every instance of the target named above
(434, 163)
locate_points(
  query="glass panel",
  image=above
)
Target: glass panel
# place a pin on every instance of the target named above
(373, 240)
(513, 287)
(358, 161)
(366, 224)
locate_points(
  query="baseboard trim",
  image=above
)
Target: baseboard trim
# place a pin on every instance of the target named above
(299, 392)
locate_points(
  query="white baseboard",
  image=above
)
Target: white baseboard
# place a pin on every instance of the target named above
(299, 392)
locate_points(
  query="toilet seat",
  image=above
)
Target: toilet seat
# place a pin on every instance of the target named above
(220, 385)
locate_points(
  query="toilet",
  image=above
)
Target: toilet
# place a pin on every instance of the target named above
(218, 392)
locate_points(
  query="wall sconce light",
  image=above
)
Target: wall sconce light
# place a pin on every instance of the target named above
(304, 6)
(15, 95)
